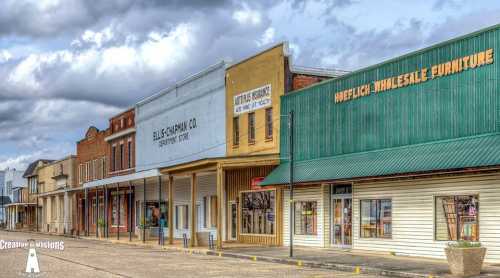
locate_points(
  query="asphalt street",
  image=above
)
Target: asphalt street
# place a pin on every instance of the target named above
(86, 258)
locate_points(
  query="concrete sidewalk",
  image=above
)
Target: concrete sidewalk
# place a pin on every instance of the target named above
(356, 262)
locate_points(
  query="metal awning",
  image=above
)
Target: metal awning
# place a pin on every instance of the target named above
(454, 154)
(125, 178)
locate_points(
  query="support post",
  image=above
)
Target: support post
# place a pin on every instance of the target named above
(143, 218)
(170, 209)
(160, 230)
(130, 211)
(193, 219)
(97, 212)
(36, 207)
(118, 211)
(220, 198)
(292, 205)
(86, 217)
(106, 212)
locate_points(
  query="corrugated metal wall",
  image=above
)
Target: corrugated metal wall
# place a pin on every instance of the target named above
(457, 105)
(413, 213)
(238, 180)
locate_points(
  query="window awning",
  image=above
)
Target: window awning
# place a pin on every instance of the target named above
(467, 152)
(125, 178)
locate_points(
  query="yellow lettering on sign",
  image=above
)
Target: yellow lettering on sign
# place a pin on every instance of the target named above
(446, 68)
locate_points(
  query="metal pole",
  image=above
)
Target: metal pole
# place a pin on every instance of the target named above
(129, 211)
(160, 230)
(86, 217)
(36, 208)
(292, 205)
(118, 212)
(3, 209)
(97, 212)
(144, 213)
(77, 215)
(106, 212)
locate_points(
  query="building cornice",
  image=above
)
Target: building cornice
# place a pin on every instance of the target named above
(120, 134)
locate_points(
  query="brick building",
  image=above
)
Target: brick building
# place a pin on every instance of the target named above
(121, 144)
(112, 210)
(91, 161)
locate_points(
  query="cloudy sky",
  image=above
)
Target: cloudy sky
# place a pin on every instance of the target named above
(69, 64)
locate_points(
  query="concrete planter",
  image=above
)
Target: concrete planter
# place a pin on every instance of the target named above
(465, 262)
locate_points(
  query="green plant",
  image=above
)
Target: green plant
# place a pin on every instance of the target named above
(100, 223)
(142, 225)
(464, 244)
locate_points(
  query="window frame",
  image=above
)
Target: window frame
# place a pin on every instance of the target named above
(251, 128)
(269, 123)
(315, 215)
(240, 212)
(129, 147)
(377, 220)
(122, 156)
(475, 194)
(236, 131)
(113, 158)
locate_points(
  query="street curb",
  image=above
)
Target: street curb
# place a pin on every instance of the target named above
(300, 263)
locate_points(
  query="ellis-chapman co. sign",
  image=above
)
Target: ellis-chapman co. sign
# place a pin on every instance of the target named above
(458, 65)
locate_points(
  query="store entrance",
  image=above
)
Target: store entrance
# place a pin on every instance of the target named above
(341, 216)
(233, 216)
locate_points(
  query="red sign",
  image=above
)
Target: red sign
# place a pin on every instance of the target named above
(255, 184)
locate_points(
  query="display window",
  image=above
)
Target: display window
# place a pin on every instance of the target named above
(376, 218)
(181, 217)
(457, 217)
(258, 212)
(155, 214)
(306, 218)
(114, 215)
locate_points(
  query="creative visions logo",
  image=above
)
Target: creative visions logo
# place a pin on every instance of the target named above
(30, 244)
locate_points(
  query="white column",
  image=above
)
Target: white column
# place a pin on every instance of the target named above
(66, 212)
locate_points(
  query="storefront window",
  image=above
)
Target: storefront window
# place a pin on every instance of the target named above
(457, 218)
(155, 216)
(305, 218)
(376, 218)
(258, 212)
(181, 217)
(114, 215)
(210, 211)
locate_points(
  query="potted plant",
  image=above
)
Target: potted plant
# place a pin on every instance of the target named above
(100, 226)
(465, 258)
(144, 231)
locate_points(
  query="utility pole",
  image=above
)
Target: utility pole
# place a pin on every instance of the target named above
(291, 223)
(36, 208)
(2, 207)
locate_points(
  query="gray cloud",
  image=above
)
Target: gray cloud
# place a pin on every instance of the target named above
(87, 60)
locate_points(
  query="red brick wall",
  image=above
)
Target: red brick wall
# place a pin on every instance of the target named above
(301, 81)
(119, 123)
(90, 148)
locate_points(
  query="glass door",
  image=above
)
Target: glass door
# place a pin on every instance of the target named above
(233, 215)
(342, 221)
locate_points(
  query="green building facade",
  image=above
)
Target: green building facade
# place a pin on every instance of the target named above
(400, 153)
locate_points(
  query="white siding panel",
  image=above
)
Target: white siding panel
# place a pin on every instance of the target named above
(304, 194)
(413, 213)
